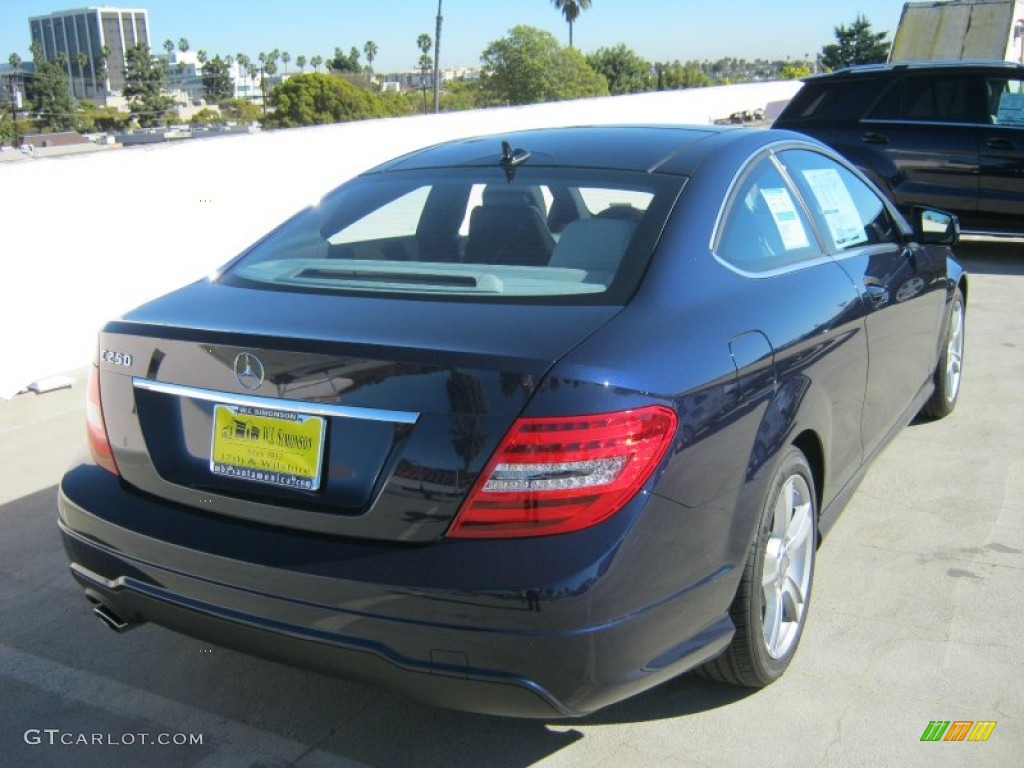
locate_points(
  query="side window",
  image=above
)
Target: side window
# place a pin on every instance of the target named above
(764, 227)
(847, 210)
(924, 98)
(1005, 100)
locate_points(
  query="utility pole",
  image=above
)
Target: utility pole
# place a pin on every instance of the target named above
(437, 63)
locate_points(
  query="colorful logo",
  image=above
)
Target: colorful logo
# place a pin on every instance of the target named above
(958, 730)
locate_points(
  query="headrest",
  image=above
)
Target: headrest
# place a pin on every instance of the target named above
(593, 244)
(508, 194)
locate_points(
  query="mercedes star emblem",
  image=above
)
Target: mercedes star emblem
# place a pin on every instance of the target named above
(249, 370)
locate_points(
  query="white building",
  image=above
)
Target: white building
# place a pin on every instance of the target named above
(91, 43)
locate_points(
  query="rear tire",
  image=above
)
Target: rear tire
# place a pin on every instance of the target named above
(950, 365)
(770, 607)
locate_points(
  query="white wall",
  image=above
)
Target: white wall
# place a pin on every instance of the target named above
(85, 238)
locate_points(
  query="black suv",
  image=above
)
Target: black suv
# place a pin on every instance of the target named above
(941, 134)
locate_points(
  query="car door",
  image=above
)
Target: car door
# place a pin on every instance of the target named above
(923, 135)
(900, 284)
(1001, 149)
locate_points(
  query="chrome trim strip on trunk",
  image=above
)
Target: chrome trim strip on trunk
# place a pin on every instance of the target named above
(302, 406)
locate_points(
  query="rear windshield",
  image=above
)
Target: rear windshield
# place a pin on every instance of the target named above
(547, 235)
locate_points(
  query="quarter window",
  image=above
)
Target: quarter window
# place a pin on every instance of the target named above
(765, 228)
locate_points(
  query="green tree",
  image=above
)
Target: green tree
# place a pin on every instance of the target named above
(676, 75)
(529, 66)
(856, 44)
(795, 71)
(93, 118)
(571, 10)
(217, 80)
(316, 61)
(370, 52)
(343, 62)
(146, 87)
(240, 110)
(300, 62)
(15, 61)
(317, 99)
(285, 58)
(169, 46)
(460, 95)
(624, 70)
(207, 116)
(183, 44)
(7, 132)
(49, 93)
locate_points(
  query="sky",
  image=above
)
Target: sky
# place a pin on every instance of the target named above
(657, 30)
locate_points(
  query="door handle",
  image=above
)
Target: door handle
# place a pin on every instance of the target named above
(1000, 144)
(875, 138)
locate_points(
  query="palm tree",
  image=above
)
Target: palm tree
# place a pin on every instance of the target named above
(243, 64)
(82, 60)
(300, 62)
(285, 58)
(571, 10)
(316, 61)
(183, 44)
(423, 42)
(169, 46)
(370, 51)
(15, 61)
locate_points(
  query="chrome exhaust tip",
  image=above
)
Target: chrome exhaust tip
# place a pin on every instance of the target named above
(111, 618)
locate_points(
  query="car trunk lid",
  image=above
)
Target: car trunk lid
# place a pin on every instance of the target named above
(353, 416)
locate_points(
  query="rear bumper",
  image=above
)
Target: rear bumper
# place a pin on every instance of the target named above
(520, 628)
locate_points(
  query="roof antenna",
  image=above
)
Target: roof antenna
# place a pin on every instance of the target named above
(511, 159)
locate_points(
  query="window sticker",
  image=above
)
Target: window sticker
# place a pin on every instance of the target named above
(787, 221)
(837, 206)
(1011, 109)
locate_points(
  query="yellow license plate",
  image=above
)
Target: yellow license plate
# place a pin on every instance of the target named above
(267, 446)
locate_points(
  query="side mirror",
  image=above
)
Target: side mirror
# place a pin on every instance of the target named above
(933, 227)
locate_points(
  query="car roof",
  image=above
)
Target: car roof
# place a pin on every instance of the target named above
(896, 67)
(645, 148)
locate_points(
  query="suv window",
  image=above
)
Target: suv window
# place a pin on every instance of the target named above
(927, 98)
(831, 100)
(846, 209)
(764, 227)
(1005, 100)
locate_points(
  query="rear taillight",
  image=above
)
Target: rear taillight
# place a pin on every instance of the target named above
(553, 475)
(99, 445)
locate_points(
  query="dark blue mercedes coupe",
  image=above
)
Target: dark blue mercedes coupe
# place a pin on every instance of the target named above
(522, 424)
